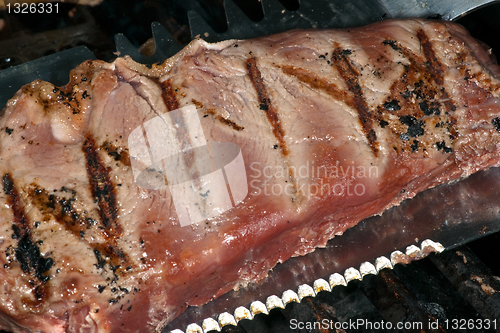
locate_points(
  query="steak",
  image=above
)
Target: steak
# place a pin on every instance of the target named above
(133, 192)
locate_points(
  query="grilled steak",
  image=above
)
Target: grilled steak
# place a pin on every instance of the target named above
(333, 127)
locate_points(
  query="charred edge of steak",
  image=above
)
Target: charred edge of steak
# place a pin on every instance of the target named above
(67, 98)
(265, 103)
(32, 262)
(100, 261)
(102, 188)
(442, 145)
(350, 76)
(169, 96)
(496, 123)
(415, 127)
(119, 154)
(27, 252)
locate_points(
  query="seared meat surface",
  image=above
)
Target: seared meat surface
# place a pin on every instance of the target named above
(333, 126)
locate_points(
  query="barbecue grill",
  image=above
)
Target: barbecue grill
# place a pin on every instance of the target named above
(453, 291)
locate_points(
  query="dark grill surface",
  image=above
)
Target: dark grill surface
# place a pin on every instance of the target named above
(455, 291)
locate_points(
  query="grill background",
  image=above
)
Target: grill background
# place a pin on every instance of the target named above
(457, 284)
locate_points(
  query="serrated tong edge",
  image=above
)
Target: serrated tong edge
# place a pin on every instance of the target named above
(218, 321)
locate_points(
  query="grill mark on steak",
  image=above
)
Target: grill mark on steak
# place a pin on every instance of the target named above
(101, 187)
(426, 103)
(115, 257)
(217, 116)
(350, 75)
(265, 103)
(20, 223)
(433, 65)
(119, 265)
(104, 195)
(171, 102)
(225, 121)
(316, 82)
(64, 214)
(61, 209)
(169, 95)
(273, 118)
(27, 252)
